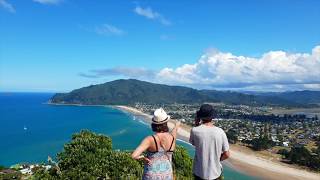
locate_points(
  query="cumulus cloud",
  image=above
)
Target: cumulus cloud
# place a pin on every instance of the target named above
(221, 69)
(140, 73)
(273, 71)
(50, 2)
(7, 6)
(109, 30)
(151, 14)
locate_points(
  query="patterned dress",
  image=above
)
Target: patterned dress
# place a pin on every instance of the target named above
(160, 167)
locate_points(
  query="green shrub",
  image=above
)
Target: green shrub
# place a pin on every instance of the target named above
(182, 163)
(90, 156)
(10, 176)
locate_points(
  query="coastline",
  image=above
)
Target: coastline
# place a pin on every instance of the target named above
(243, 160)
(62, 104)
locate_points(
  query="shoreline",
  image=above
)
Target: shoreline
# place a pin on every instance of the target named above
(62, 104)
(242, 160)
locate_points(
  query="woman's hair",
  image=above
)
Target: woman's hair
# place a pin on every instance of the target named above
(160, 127)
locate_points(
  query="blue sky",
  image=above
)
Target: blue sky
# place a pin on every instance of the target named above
(60, 45)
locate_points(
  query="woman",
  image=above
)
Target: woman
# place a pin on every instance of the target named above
(159, 147)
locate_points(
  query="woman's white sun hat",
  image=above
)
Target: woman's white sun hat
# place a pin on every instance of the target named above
(160, 116)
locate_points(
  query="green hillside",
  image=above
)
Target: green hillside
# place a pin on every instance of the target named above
(129, 92)
(125, 92)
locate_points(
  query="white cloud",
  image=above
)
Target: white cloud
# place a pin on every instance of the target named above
(48, 1)
(151, 14)
(108, 30)
(312, 86)
(274, 71)
(225, 70)
(7, 6)
(140, 73)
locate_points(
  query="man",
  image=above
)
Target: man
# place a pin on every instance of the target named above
(211, 146)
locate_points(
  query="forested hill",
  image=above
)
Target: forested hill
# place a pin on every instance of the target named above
(303, 97)
(124, 92)
(129, 92)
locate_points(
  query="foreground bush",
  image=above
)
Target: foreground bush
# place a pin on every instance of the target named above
(90, 156)
(182, 163)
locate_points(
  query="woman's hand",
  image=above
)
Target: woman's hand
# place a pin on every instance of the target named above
(175, 129)
(178, 123)
(146, 160)
(136, 154)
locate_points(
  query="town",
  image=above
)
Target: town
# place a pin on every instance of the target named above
(246, 123)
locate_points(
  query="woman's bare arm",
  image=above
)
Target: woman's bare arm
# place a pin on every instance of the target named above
(175, 129)
(140, 149)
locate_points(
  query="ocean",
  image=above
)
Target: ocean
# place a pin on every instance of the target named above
(32, 130)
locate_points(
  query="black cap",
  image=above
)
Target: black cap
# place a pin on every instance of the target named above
(206, 112)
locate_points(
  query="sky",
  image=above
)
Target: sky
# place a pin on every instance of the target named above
(61, 45)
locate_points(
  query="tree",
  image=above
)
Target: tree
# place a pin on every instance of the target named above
(283, 152)
(315, 162)
(299, 155)
(261, 143)
(315, 158)
(232, 136)
(2, 167)
(83, 147)
(280, 137)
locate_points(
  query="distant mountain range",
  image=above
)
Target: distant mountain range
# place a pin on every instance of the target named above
(125, 92)
(302, 97)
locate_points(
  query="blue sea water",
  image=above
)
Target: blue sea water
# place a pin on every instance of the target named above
(31, 130)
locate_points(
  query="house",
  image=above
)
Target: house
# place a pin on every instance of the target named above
(285, 144)
(26, 171)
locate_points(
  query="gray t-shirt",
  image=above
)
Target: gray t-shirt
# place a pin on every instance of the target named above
(210, 142)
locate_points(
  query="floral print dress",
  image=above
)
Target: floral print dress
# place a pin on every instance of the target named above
(160, 167)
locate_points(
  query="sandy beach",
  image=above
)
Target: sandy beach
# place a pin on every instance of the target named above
(243, 159)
